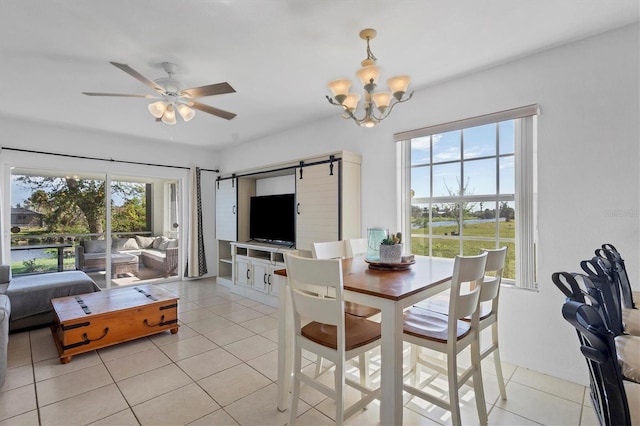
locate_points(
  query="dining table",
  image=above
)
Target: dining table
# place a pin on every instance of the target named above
(388, 288)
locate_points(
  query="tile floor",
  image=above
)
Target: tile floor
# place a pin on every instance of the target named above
(220, 369)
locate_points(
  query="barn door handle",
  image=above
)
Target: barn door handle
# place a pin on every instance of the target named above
(298, 208)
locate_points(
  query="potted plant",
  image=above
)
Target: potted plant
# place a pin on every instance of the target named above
(391, 249)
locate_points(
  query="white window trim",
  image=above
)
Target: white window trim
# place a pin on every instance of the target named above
(526, 188)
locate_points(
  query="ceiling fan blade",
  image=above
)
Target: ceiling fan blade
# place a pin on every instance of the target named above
(211, 110)
(211, 89)
(122, 95)
(135, 74)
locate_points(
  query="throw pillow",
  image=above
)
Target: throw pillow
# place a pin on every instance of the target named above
(163, 245)
(95, 246)
(158, 241)
(130, 244)
(144, 242)
(173, 243)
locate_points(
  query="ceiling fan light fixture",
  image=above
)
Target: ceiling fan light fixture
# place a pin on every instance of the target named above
(169, 116)
(157, 108)
(185, 112)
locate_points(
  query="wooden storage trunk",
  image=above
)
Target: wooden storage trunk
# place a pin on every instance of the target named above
(92, 321)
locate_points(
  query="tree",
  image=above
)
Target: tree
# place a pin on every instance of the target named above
(454, 207)
(73, 204)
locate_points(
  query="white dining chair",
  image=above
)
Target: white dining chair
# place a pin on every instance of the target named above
(357, 247)
(450, 335)
(338, 250)
(321, 327)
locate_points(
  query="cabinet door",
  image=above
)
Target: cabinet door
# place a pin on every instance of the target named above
(318, 205)
(261, 272)
(226, 210)
(243, 271)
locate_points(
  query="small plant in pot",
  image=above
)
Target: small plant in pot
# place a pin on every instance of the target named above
(391, 249)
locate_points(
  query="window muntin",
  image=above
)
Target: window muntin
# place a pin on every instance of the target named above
(461, 191)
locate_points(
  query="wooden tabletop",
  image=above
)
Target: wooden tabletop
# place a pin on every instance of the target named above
(70, 308)
(395, 285)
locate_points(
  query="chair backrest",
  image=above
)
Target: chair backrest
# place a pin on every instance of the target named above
(601, 273)
(466, 270)
(598, 347)
(306, 279)
(493, 270)
(609, 252)
(357, 247)
(329, 250)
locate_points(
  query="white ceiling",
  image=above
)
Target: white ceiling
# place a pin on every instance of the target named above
(277, 54)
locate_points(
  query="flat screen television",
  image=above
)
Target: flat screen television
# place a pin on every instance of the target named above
(272, 219)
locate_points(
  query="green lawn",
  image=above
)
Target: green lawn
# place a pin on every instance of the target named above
(40, 265)
(450, 247)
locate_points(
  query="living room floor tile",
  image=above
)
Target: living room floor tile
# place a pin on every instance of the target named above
(125, 349)
(73, 383)
(216, 322)
(52, 367)
(227, 335)
(153, 383)
(225, 308)
(188, 347)
(243, 315)
(251, 347)
(164, 338)
(30, 418)
(195, 315)
(259, 408)
(208, 363)
(122, 418)
(225, 388)
(261, 324)
(17, 401)
(266, 364)
(179, 407)
(17, 377)
(84, 408)
(136, 363)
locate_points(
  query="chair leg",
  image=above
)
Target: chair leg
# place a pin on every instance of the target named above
(478, 387)
(318, 365)
(414, 365)
(339, 389)
(454, 400)
(496, 360)
(295, 391)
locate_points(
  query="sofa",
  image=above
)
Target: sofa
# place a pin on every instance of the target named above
(5, 312)
(30, 295)
(157, 253)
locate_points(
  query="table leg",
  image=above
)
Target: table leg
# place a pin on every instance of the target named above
(391, 368)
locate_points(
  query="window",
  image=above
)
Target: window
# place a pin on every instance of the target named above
(470, 185)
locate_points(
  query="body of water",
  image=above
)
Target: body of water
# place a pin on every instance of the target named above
(466, 222)
(21, 255)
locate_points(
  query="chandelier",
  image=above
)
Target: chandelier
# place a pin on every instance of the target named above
(377, 105)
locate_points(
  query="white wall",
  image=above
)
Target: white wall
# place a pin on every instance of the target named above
(26, 135)
(588, 170)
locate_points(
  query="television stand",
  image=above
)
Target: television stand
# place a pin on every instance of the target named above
(253, 264)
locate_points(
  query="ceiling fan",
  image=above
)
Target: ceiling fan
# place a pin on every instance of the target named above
(170, 97)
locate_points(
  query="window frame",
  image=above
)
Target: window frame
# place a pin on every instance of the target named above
(525, 182)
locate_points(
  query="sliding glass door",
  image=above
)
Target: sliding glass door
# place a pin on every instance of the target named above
(120, 229)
